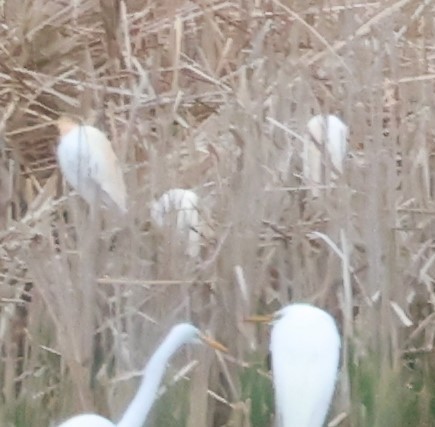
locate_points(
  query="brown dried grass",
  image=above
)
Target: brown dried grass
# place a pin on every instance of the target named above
(210, 95)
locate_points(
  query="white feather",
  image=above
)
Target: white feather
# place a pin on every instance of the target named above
(88, 420)
(139, 408)
(305, 347)
(179, 208)
(91, 167)
(329, 130)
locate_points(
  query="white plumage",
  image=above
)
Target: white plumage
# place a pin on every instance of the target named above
(305, 347)
(90, 165)
(139, 408)
(179, 208)
(327, 135)
(88, 420)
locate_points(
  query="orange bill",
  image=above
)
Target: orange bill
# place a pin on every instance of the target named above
(260, 318)
(213, 343)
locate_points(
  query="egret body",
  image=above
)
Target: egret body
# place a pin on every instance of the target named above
(179, 208)
(327, 135)
(89, 164)
(139, 408)
(305, 347)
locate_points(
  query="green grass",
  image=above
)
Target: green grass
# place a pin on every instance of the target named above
(387, 397)
(258, 390)
(172, 409)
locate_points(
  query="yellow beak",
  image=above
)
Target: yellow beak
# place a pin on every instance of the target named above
(264, 318)
(213, 343)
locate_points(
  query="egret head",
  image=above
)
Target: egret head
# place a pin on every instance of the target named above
(297, 310)
(191, 334)
(65, 124)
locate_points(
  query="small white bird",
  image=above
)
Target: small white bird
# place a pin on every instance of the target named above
(139, 408)
(305, 346)
(179, 208)
(90, 165)
(326, 135)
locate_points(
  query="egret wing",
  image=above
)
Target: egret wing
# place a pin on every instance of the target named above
(105, 168)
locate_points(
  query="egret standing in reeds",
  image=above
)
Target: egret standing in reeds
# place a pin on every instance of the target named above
(179, 208)
(89, 164)
(305, 347)
(139, 408)
(327, 136)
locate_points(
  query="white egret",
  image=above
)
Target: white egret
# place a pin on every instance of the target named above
(327, 135)
(305, 347)
(89, 164)
(179, 208)
(140, 406)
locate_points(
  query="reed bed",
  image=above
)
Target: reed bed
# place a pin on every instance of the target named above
(214, 95)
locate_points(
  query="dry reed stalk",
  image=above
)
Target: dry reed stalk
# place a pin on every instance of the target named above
(214, 95)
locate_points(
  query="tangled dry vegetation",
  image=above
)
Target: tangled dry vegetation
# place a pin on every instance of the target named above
(214, 95)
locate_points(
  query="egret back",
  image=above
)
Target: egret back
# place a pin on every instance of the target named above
(87, 420)
(179, 207)
(305, 347)
(89, 164)
(332, 132)
(336, 141)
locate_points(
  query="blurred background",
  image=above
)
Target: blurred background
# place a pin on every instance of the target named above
(215, 96)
